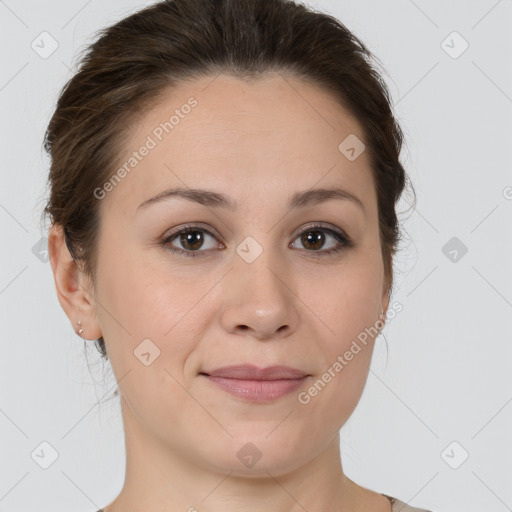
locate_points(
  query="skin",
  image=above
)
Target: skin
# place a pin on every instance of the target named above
(258, 144)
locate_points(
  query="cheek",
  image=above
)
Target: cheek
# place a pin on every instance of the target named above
(132, 289)
(346, 302)
(146, 298)
(135, 302)
(333, 395)
(346, 299)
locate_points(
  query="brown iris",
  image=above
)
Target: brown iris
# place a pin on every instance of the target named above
(192, 239)
(309, 238)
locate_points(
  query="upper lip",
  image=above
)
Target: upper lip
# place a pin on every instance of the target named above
(251, 372)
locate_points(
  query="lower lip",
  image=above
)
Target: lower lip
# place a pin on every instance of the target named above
(257, 390)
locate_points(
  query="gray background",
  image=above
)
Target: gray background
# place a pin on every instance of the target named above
(445, 377)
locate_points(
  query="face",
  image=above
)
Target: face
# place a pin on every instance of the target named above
(261, 270)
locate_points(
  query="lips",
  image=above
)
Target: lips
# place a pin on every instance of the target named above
(251, 372)
(254, 384)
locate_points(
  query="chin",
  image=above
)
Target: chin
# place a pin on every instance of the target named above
(258, 455)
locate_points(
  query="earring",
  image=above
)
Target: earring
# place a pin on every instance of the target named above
(80, 331)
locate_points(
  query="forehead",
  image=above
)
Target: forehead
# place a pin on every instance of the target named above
(277, 133)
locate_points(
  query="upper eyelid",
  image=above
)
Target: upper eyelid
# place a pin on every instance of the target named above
(191, 227)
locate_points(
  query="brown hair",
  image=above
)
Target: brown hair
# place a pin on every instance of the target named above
(123, 72)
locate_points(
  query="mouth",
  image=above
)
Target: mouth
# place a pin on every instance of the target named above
(257, 384)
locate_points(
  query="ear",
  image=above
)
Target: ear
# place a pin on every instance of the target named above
(73, 287)
(385, 300)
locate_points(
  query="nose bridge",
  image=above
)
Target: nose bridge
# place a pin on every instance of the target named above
(262, 265)
(260, 297)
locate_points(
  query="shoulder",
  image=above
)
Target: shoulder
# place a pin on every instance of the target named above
(400, 506)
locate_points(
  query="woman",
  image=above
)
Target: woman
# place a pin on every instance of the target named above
(224, 175)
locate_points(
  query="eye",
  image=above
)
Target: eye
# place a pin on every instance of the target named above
(314, 238)
(191, 240)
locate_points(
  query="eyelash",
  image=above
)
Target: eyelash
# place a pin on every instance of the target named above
(344, 241)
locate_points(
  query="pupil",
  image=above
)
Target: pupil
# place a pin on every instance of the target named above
(309, 238)
(192, 239)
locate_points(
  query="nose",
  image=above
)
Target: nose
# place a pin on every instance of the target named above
(258, 298)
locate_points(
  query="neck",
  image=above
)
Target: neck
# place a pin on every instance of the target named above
(167, 478)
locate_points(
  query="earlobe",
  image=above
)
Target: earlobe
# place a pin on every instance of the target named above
(70, 282)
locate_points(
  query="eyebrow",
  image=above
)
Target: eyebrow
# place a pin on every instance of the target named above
(215, 199)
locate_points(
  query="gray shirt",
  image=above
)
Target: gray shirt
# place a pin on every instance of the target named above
(396, 506)
(400, 506)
